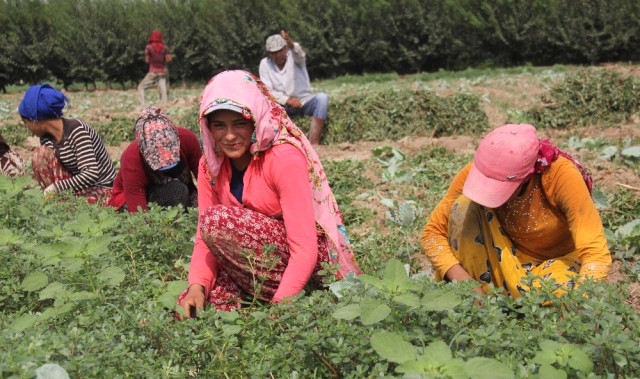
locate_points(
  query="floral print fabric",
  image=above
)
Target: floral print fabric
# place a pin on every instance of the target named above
(253, 250)
(157, 138)
(47, 169)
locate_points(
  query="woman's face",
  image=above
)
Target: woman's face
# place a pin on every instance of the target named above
(33, 127)
(232, 134)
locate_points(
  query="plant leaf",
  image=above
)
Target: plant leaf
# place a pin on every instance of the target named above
(631, 151)
(51, 371)
(437, 301)
(23, 322)
(487, 368)
(392, 347)
(348, 312)
(437, 352)
(395, 276)
(52, 291)
(112, 275)
(373, 311)
(35, 281)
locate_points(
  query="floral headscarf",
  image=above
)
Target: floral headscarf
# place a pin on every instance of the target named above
(243, 90)
(157, 138)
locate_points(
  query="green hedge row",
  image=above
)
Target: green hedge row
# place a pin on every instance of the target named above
(89, 41)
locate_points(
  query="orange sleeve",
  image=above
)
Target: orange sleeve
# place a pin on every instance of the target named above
(435, 236)
(568, 190)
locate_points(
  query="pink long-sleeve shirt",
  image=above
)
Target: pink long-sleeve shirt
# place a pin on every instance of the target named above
(276, 183)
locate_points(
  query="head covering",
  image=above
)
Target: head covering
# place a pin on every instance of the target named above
(157, 138)
(275, 42)
(156, 40)
(42, 102)
(504, 159)
(273, 127)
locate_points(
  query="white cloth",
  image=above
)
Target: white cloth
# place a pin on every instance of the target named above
(292, 81)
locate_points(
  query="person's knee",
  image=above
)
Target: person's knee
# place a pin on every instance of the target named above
(323, 103)
(323, 99)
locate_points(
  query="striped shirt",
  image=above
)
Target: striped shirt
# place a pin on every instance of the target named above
(83, 154)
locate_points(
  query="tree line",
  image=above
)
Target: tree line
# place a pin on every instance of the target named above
(89, 41)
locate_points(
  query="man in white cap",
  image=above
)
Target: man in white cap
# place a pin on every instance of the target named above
(284, 71)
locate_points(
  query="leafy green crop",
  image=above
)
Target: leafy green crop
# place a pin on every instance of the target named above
(588, 97)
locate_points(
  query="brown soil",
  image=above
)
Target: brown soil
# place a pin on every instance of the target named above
(519, 93)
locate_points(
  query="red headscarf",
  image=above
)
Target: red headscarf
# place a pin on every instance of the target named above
(155, 40)
(549, 153)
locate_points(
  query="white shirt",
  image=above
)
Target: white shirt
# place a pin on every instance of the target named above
(292, 80)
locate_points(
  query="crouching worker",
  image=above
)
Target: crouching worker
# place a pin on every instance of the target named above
(159, 166)
(71, 155)
(522, 206)
(260, 183)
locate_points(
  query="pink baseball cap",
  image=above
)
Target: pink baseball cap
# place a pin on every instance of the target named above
(504, 158)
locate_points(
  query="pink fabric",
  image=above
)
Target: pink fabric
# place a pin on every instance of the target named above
(304, 202)
(273, 127)
(270, 189)
(236, 238)
(501, 162)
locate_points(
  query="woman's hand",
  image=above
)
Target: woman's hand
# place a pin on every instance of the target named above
(457, 273)
(193, 302)
(50, 192)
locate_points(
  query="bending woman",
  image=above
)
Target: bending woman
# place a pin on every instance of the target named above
(259, 183)
(72, 155)
(522, 206)
(158, 166)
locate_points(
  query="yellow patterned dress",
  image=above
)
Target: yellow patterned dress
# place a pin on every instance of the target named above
(552, 230)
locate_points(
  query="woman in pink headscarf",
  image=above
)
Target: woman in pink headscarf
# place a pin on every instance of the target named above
(268, 217)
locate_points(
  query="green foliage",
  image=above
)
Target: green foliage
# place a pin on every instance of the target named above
(93, 292)
(116, 131)
(393, 114)
(86, 41)
(588, 97)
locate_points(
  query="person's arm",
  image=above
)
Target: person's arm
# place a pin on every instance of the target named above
(190, 146)
(134, 179)
(573, 198)
(167, 55)
(266, 71)
(203, 269)
(295, 48)
(79, 141)
(292, 182)
(435, 235)
(299, 56)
